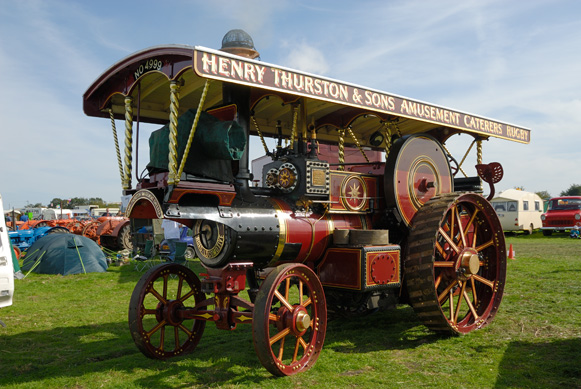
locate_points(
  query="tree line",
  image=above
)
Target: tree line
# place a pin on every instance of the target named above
(573, 190)
(71, 203)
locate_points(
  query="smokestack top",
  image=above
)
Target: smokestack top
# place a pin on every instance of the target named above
(239, 42)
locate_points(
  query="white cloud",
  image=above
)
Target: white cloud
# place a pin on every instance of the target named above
(305, 57)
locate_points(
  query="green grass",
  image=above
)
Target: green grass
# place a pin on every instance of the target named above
(72, 332)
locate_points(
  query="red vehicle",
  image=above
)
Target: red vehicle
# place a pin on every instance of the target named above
(563, 213)
(375, 218)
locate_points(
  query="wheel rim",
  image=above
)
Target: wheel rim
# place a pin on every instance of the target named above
(456, 275)
(155, 322)
(125, 238)
(58, 230)
(289, 320)
(190, 253)
(90, 230)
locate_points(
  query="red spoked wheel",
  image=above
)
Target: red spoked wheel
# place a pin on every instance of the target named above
(289, 320)
(90, 230)
(456, 263)
(76, 227)
(155, 320)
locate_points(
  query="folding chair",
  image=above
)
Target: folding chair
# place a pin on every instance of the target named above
(183, 257)
(181, 252)
(147, 258)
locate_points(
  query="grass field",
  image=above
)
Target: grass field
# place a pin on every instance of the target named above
(72, 332)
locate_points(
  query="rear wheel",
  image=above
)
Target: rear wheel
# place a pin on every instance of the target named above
(456, 263)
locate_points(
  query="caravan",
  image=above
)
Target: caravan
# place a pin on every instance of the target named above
(518, 210)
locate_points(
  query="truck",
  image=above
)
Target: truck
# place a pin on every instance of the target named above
(563, 214)
(360, 205)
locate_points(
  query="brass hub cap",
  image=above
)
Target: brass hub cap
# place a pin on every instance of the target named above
(302, 321)
(470, 262)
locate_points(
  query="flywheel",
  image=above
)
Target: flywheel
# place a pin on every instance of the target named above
(416, 170)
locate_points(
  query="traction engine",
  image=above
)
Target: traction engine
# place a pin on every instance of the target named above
(354, 210)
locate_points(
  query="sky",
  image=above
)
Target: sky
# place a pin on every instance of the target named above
(514, 61)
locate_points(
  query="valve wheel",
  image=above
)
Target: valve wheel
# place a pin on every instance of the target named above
(155, 321)
(456, 263)
(289, 320)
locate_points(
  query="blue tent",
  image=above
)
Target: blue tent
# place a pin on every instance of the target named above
(64, 254)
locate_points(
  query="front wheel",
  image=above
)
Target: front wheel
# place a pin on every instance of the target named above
(289, 320)
(157, 328)
(456, 263)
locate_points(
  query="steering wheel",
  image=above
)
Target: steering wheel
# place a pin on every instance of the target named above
(454, 166)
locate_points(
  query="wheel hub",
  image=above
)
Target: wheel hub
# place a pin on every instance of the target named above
(169, 312)
(470, 262)
(298, 319)
(302, 321)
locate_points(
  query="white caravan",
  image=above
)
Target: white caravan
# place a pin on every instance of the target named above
(518, 210)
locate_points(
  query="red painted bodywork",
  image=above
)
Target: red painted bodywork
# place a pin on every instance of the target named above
(563, 213)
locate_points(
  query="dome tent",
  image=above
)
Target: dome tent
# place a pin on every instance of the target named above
(64, 254)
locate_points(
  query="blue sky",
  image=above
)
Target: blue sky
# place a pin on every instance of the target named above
(515, 61)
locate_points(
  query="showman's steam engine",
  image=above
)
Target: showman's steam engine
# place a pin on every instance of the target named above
(355, 205)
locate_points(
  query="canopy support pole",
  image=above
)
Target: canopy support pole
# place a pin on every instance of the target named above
(357, 143)
(260, 134)
(128, 141)
(466, 155)
(387, 135)
(341, 149)
(174, 97)
(294, 127)
(116, 140)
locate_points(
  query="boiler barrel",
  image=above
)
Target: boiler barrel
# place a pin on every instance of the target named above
(267, 232)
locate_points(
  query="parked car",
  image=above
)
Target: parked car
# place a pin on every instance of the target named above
(563, 214)
(518, 210)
